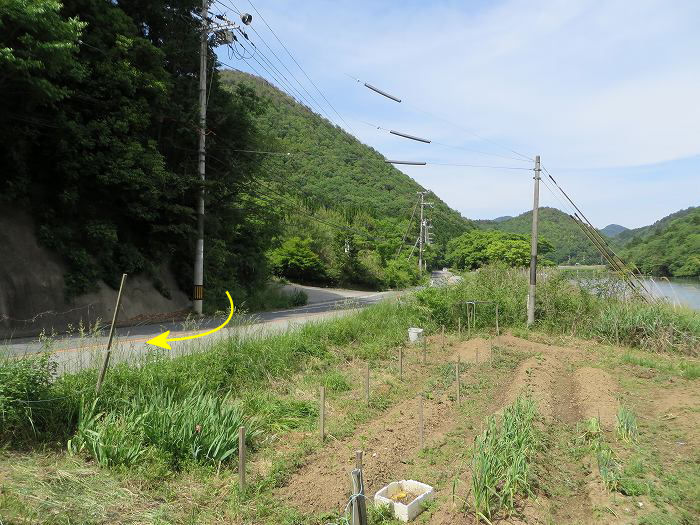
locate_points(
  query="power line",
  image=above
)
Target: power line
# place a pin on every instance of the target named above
(418, 110)
(298, 65)
(318, 105)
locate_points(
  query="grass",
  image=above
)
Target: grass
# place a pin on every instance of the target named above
(501, 468)
(148, 413)
(626, 425)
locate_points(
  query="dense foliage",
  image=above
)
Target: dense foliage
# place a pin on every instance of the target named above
(642, 232)
(98, 129)
(570, 244)
(478, 248)
(671, 249)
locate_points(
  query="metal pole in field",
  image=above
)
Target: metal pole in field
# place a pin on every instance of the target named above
(367, 384)
(108, 353)
(533, 246)
(322, 414)
(241, 458)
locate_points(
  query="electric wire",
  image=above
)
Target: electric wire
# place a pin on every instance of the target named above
(298, 65)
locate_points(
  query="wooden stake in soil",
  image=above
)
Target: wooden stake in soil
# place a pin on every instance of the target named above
(241, 458)
(469, 322)
(424, 348)
(367, 384)
(358, 459)
(497, 330)
(322, 414)
(105, 364)
(459, 327)
(359, 505)
(420, 420)
(443, 337)
(459, 386)
(400, 364)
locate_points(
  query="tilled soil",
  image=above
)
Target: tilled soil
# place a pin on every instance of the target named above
(564, 394)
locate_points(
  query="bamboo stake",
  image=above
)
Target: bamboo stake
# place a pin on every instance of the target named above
(420, 421)
(241, 458)
(367, 384)
(443, 337)
(400, 364)
(497, 329)
(322, 414)
(459, 384)
(108, 354)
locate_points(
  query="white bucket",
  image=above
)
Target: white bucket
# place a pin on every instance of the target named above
(415, 335)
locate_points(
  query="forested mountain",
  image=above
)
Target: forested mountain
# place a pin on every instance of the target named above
(669, 247)
(612, 230)
(98, 143)
(652, 229)
(570, 244)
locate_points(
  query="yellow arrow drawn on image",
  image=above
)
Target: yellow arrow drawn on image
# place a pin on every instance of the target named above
(162, 339)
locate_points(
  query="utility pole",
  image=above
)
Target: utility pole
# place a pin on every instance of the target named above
(420, 235)
(423, 238)
(533, 246)
(222, 35)
(198, 290)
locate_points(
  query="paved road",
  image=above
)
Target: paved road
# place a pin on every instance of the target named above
(74, 353)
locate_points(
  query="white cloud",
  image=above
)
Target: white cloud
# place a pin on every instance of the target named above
(596, 84)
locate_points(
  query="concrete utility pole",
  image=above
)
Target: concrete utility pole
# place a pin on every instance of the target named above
(198, 290)
(533, 246)
(422, 237)
(222, 34)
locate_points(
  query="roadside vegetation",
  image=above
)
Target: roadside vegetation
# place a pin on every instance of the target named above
(168, 417)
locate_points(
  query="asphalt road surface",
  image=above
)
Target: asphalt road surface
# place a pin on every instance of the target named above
(72, 352)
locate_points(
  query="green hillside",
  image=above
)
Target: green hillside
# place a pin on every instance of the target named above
(571, 246)
(669, 247)
(330, 167)
(99, 129)
(647, 231)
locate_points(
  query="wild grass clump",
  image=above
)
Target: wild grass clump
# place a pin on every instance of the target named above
(626, 424)
(501, 462)
(25, 392)
(601, 311)
(200, 428)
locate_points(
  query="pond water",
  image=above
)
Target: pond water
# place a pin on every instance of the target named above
(677, 291)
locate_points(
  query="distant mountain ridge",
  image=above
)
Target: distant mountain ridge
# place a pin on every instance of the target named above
(645, 231)
(571, 245)
(612, 230)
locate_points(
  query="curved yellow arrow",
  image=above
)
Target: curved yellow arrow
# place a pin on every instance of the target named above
(162, 339)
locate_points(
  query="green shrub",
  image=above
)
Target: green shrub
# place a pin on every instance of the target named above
(199, 427)
(25, 396)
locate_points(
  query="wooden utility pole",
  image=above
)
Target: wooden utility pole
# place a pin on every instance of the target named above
(533, 246)
(105, 363)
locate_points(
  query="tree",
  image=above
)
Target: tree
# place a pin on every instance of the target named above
(477, 248)
(295, 260)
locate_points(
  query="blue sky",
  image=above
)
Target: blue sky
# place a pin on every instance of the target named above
(608, 93)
